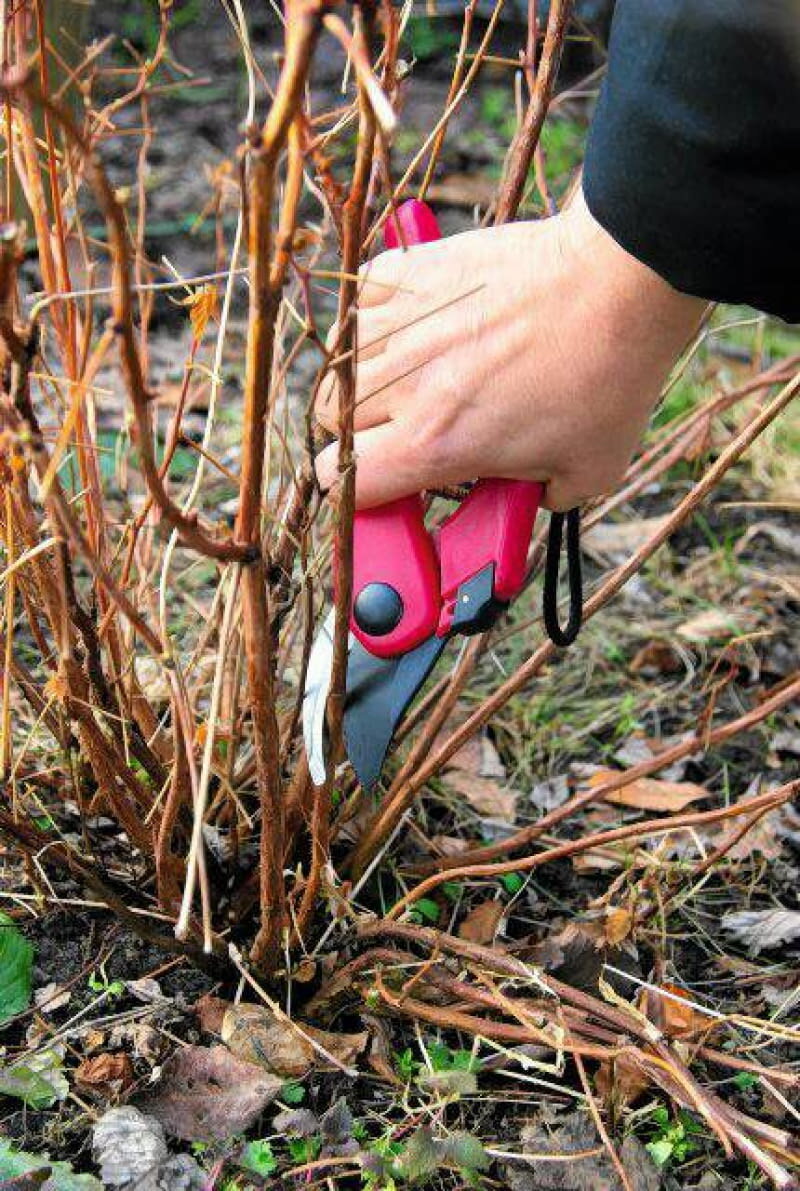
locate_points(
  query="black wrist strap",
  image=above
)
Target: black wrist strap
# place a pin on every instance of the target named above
(563, 637)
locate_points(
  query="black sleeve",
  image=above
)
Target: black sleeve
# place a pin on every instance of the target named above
(693, 160)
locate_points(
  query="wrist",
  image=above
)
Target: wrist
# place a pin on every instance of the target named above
(636, 298)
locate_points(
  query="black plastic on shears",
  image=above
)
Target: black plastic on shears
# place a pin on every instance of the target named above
(558, 635)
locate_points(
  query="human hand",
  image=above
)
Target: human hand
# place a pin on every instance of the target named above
(529, 351)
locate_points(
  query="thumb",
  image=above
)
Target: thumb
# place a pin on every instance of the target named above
(387, 466)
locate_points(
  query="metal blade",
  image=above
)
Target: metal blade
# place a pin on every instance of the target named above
(315, 697)
(378, 692)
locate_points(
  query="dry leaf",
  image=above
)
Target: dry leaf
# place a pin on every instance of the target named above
(576, 954)
(596, 860)
(649, 793)
(480, 756)
(618, 924)
(51, 997)
(108, 1072)
(203, 304)
(553, 792)
(615, 541)
(449, 845)
(656, 657)
(712, 625)
(128, 1146)
(208, 1094)
(480, 925)
(255, 1034)
(621, 1083)
(763, 929)
(210, 1012)
(476, 773)
(579, 1162)
(673, 1014)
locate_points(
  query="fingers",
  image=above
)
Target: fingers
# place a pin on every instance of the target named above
(389, 464)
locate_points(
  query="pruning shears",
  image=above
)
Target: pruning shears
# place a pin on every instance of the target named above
(414, 589)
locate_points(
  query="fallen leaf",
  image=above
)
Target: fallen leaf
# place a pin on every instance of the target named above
(553, 792)
(477, 774)
(39, 1081)
(210, 1012)
(783, 539)
(620, 1083)
(712, 625)
(480, 925)
(16, 1165)
(127, 1146)
(450, 845)
(656, 657)
(456, 1081)
(208, 1094)
(255, 1034)
(108, 1072)
(132, 1153)
(674, 1015)
(297, 1122)
(596, 860)
(580, 1162)
(649, 793)
(762, 930)
(50, 997)
(146, 990)
(16, 967)
(618, 923)
(614, 541)
(577, 954)
(786, 742)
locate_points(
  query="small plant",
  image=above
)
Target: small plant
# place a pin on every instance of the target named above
(99, 983)
(675, 1137)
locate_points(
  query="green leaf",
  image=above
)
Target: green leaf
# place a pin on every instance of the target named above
(427, 909)
(39, 1082)
(292, 1093)
(419, 1157)
(439, 1055)
(454, 1082)
(465, 1151)
(512, 882)
(16, 965)
(452, 890)
(660, 1151)
(745, 1080)
(258, 1158)
(15, 1163)
(303, 1149)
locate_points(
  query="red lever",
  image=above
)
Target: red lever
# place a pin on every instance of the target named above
(405, 584)
(391, 547)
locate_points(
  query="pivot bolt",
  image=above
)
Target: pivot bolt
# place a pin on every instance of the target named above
(378, 609)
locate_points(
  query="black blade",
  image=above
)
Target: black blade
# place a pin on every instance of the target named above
(378, 692)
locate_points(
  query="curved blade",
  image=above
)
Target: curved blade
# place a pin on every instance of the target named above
(378, 692)
(315, 697)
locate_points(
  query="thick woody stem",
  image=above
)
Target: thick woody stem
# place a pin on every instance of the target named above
(267, 276)
(353, 233)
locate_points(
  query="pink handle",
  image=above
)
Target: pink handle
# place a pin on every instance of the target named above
(391, 546)
(493, 525)
(405, 584)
